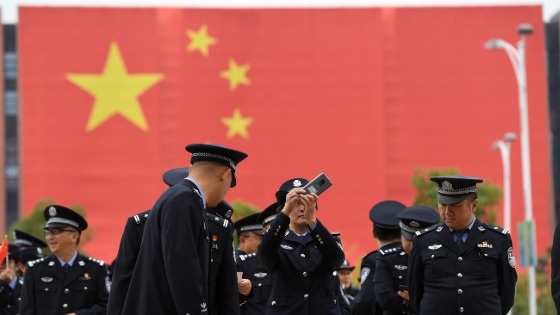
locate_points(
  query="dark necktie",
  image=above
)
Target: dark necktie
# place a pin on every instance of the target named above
(66, 267)
(459, 239)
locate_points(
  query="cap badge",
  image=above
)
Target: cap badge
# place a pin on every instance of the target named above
(297, 183)
(446, 185)
(52, 211)
(414, 224)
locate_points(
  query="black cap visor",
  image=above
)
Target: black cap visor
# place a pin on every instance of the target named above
(451, 199)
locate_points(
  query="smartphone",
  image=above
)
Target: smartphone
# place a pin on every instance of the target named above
(318, 185)
(403, 287)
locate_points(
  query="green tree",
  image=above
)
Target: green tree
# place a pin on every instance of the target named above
(426, 193)
(35, 222)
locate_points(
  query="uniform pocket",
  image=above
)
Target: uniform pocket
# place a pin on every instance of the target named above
(485, 262)
(435, 264)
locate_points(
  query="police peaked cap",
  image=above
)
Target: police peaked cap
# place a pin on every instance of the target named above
(346, 266)
(268, 214)
(287, 186)
(415, 218)
(59, 216)
(218, 154)
(175, 175)
(249, 223)
(454, 189)
(384, 214)
(23, 239)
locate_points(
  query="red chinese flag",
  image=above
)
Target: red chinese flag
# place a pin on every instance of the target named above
(4, 249)
(110, 98)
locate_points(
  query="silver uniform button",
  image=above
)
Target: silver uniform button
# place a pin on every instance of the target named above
(461, 309)
(302, 255)
(65, 305)
(460, 275)
(273, 303)
(460, 291)
(260, 284)
(305, 296)
(460, 258)
(400, 277)
(305, 273)
(66, 290)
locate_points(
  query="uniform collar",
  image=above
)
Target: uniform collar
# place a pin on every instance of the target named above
(70, 262)
(199, 190)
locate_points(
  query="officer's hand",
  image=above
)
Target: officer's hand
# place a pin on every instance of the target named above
(71, 314)
(309, 202)
(403, 294)
(292, 200)
(244, 286)
(7, 275)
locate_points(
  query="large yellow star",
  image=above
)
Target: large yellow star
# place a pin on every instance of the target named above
(236, 75)
(115, 91)
(200, 40)
(237, 125)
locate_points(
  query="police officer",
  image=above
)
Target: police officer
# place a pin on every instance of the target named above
(345, 276)
(65, 282)
(171, 275)
(29, 248)
(223, 275)
(462, 265)
(303, 258)
(10, 282)
(386, 230)
(123, 266)
(249, 233)
(390, 271)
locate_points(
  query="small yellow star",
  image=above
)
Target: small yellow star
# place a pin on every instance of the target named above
(237, 125)
(200, 40)
(115, 91)
(236, 75)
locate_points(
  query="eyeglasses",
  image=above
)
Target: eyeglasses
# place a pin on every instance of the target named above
(56, 231)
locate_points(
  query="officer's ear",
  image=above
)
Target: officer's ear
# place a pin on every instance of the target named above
(474, 204)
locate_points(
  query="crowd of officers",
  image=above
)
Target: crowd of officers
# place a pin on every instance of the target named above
(179, 258)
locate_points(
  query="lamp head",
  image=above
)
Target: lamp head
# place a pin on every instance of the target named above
(525, 29)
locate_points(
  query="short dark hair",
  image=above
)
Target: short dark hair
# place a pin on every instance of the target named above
(472, 197)
(386, 234)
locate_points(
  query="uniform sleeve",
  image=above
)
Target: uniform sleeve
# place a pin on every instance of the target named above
(227, 276)
(182, 224)
(555, 264)
(123, 268)
(268, 248)
(507, 276)
(365, 302)
(27, 304)
(330, 249)
(385, 292)
(99, 306)
(415, 277)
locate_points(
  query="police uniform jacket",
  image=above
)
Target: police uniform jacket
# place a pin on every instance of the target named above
(49, 290)
(125, 262)
(223, 275)
(304, 269)
(555, 272)
(390, 272)
(479, 279)
(9, 298)
(261, 283)
(171, 273)
(365, 302)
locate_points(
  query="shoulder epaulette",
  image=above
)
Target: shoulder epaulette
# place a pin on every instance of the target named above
(36, 262)
(369, 254)
(247, 256)
(436, 228)
(96, 261)
(140, 217)
(217, 220)
(391, 250)
(494, 228)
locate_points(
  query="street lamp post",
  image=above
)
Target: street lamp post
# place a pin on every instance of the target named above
(517, 58)
(504, 147)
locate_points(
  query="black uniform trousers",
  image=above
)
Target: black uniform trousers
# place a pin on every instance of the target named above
(171, 272)
(477, 279)
(49, 290)
(304, 269)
